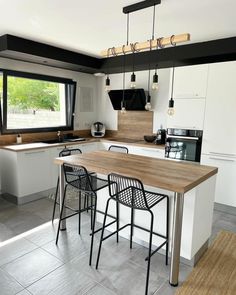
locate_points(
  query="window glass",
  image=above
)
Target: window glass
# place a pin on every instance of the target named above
(36, 104)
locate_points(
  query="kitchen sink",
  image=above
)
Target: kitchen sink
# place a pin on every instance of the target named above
(52, 141)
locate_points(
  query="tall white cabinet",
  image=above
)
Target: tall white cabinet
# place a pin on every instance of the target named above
(189, 93)
(219, 136)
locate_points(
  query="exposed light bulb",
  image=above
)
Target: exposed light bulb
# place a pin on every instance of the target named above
(107, 85)
(133, 81)
(132, 85)
(171, 111)
(155, 85)
(148, 106)
(123, 110)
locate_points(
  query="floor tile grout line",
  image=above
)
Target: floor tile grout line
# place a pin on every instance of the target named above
(37, 247)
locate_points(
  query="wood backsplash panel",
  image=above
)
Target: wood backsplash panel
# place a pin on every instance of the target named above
(135, 124)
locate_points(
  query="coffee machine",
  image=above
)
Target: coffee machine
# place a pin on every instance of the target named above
(161, 136)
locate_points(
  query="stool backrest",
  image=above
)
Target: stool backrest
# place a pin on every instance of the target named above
(127, 191)
(118, 148)
(78, 177)
(68, 152)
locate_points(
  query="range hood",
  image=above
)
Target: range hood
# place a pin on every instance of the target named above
(134, 99)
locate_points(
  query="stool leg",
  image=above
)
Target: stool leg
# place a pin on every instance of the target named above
(149, 254)
(103, 228)
(131, 228)
(93, 228)
(87, 201)
(55, 200)
(91, 212)
(167, 229)
(117, 221)
(79, 211)
(61, 214)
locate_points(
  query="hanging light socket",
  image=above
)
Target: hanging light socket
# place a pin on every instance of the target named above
(148, 105)
(171, 110)
(107, 85)
(133, 81)
(155, 81)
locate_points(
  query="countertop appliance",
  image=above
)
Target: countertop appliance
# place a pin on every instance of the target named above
(98, 129)
(183, 144)
(161, 136)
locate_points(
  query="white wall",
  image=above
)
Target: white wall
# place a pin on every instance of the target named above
(159, 99)
(82, 119)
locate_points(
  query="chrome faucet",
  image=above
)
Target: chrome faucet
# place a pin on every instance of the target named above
(59, 135)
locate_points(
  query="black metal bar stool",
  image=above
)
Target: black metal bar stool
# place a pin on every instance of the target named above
(79, 178)
(66, 152)
(118, 148)
(130, 192)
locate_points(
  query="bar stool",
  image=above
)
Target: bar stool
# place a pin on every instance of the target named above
(65, 152)
(130, 192)
(79, 178)
(118, 148)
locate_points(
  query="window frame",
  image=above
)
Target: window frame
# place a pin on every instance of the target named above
(69, 113)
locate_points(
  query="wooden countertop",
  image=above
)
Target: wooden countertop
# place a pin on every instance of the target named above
(41, 145)
(114, 141)
(169, 175)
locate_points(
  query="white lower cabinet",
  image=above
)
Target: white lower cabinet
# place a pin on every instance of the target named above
(26, 172)
(29, 172)
(137, 150)
(225, 183)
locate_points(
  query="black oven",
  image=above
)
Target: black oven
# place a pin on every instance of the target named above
(183, 144)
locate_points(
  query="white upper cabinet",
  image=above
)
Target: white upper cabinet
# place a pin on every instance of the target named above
(189, 114)
(190, 81)
(219, 134)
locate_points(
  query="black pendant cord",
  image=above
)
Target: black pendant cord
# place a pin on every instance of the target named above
(127, 42)
(149, 61)
(172, 85)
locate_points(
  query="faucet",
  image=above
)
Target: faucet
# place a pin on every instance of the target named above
(59, 136)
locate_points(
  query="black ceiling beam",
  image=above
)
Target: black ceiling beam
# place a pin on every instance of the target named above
(196, 53)
(25, 49)
(140, 5)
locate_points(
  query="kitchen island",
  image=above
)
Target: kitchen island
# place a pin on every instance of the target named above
(191, 183)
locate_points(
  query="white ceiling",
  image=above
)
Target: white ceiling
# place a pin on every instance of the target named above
(90, 26)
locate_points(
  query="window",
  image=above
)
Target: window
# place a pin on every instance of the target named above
(34, 103)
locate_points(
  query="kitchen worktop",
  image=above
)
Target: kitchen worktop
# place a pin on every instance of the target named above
(112, 140)
(169, 175)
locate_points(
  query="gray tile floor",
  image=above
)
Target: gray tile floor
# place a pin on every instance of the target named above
(33, 264)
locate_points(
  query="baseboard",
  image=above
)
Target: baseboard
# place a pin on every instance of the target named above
(29, 198)
(225, 208)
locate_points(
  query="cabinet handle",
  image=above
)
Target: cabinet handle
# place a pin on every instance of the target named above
(221, 159)
(38, 152)
(222, 154)
(185, 127)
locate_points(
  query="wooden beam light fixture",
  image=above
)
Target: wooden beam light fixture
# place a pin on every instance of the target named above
(158, 43)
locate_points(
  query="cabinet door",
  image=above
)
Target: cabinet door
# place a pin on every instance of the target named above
(189, 114)
(190, 81)
(219, 127)
(34, 171)
(225, 183)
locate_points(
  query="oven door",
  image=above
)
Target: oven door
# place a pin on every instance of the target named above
(183, 148)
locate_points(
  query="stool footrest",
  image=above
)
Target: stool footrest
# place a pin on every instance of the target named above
(157, 249)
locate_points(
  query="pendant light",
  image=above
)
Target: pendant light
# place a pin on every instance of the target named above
(123, 109)
(133, 76)
(107, 81)
(171, 110)
(148, 105)
(155, 85)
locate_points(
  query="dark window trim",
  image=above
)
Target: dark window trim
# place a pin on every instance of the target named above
(3, 116)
